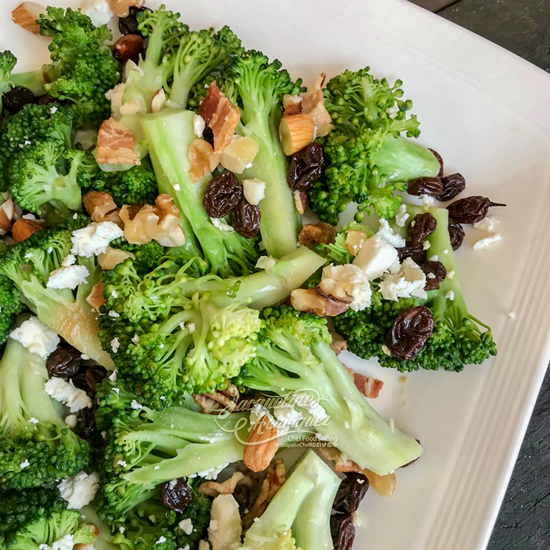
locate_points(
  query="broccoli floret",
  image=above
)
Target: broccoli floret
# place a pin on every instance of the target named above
(28, 266)
(146, 256)
(7, 64)
(458, 338)
(257, 86)
(147, 447)
(293, 354)
(11, 306)
(36, 446)
(178, 333)
(83, 68)
(366, 159)
(169, 134)
(299, 514)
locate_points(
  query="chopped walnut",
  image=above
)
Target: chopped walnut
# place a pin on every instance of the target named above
(338, 344)
(354, 241)
(101, 207)
(213, 489)
(368, 386)
(314, 300)
(115, 144)
(313, 105)
(203, 159)
(341, 463)
(139, 228)
(170, 232)
(214, 403)
(220, 115)
(95, 298)
(22, 229)
(112, 257)
(319, 233)
(300, 201)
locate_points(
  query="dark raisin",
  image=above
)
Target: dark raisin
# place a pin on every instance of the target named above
(208, 135)
(47, 99)
(176, 494)
(223, 194)
(342, 530)
(89, 378)
(414, 251)
(435, 274)
(242, 494)
(64, 362)
(305, 167)
(410, 332)
(245, 219)
(129, 24)
(425, 186)
(471, 209)
(456, 233)
(421, 228)
(453, 185)
(85, 425)
(351, 492)
(128, 47)
(440, 160)
(15, 99)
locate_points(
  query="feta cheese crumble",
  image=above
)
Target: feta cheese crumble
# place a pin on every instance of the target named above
(427, 202)
(199, 125)
(408, 281)
(99, 11)
(389, 235)
(94, 239)
(79, 490)
(64, 543)
(486, 241)
(347, 280)
(68, 277)
(36, 337)
(210, 474)
(375, 257)
(135, 405)
(66, 393)
(426, 245)
(450, 295)
(287, 415)
(401, 216)
(186, 525)
(115, 344)
(24, 464)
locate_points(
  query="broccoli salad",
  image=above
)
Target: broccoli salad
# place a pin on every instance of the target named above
(168, 323)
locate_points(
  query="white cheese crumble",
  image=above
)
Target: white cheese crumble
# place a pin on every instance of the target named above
(427, 202)
(68, 277)
(25, 464)
(386, 350)
(161, 540)
(312, 406)
(79, 490)
(33, 420)
(186, 525)
(113, 314)
(486, 241)
(71, 421)
(451, 274)
(426, 245)
(66, 393)
(135, 405)
(287, 415)
(408, 281)
(375, 257)
(69, 260)
(434, 258)
(254, 191)
(450, 295)
(99, 11)
(401, 216)
(221, 225)
(389, 235)
(94, 239)
(199, 125)
(487, 224)
(115, 344)
(36, 337)
(512, 314)
(349, 279)
(135, 339)
(64, 543)
(176, 187)
(225, 530)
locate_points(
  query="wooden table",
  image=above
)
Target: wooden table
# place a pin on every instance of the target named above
(523, 27)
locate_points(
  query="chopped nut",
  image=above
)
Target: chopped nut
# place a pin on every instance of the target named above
(213, 489)
(261, 445)
(300, 201)
(239, 154)
(341, 463)
(383, 485)
(112, 257)
(26, 14)
(220, 115)
(313, 105)
(332, 287)
(169, 232)
(354, 241)
(368, 386)
(203, 159)
(158, 101)
(338, 344)
(139, 228)
(22, 229)
(314, 300)
(214, 403)
(101, 207)
(7, 215)
(254, 191)
(292, 105)
(132, 107)
(296, 132)
(121, 8)
(319, 233)
(115, 144)
(95, 298)
(94, 531)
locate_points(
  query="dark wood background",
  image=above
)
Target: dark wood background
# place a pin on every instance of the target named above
(523, 27)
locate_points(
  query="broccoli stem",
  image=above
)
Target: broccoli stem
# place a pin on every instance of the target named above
(402, 159)
(33, 80)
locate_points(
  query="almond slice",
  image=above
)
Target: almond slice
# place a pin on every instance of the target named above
(296, 132)
(95, 298)
(115, 144)
(261, 445)
(26, 14)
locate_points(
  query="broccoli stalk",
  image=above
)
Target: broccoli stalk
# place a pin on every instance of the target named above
(7, 64)
(169, 134)
(36, 446)
(257, 87)
(293, 354)
(29, 264)
(366, 159)
(299, 514)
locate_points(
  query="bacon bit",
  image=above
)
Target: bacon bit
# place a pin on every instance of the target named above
(313, 105)
(95, 298)
(214, 489)
(220, 115)
(26, 14)
(338, 344)
(203, 159)
(115, 144)
(22, 229)
(368, 386)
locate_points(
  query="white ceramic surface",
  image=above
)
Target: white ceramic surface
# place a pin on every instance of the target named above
(488, 113)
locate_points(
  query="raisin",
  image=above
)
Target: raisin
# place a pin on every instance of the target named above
(242, 494)
(351, 492)
(130, 24)
(245, 219)
(89, 378)
(410, 332)
(471, 209)
(64, 362)
(208, 135)
(414, 251)
(85, 425)
(342, 530)
(176, 495)
(47, 99)
(305, 167)
(425, 186)
(421, 227)
(456, 233)
(435, 274)
(440, 160)
(128, 47)
(453, 185)
(223, 194)
(14, 100)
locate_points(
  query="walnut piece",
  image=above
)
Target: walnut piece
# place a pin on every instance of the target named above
(214, 403)
(22, 229)
(213, 488)
(101, 207)
(314, 300)
(112, 257)
(338, 344)
(313, 105)
(95, 298)
(203, 159)
(319, 233)
(26, 14)
(115, 144)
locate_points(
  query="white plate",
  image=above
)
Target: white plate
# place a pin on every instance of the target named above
(488, 113)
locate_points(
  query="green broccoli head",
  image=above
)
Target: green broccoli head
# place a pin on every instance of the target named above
(36, 446)
(83, 68)
(7, 64)
(11, 306)
(366, 160)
